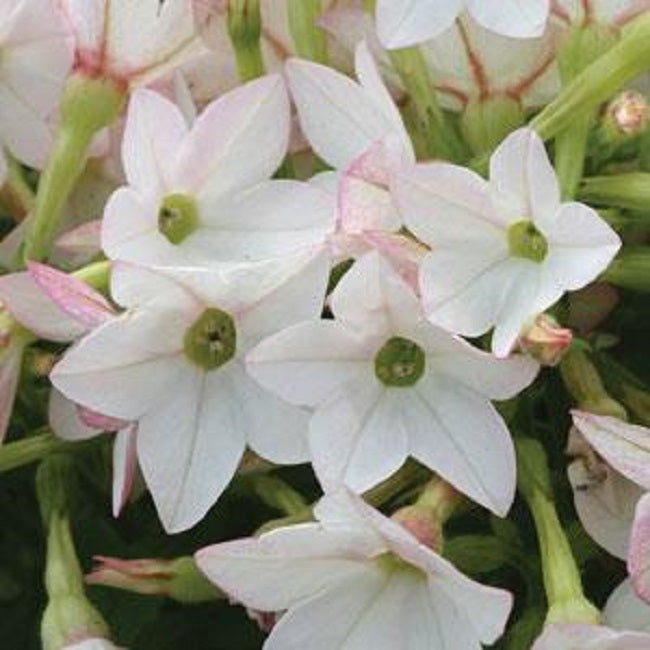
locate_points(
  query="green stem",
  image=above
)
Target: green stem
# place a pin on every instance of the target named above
(279, 495)
(30, 450)
(562, 582)
(570, 154)
(308, 38)
(245, 30)
(96, 274)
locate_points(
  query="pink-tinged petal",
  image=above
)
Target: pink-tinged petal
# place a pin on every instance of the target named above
(125, 466)
(185, 465)
(624, 610)
(372, 300)
(100, 421)
(126, 366)
(274, 429)
(638, 561)
(63, 417)
(305, 363)
(253, 126)
(10, 363)
(460, 435)
(154, 131)
(581, 246)
(566, 636)
(358, 438)
(523, 180)
(403, 253)
(71, 295)
(271, 219)
(340, 118)
(284, 567)
(29, 305)
(401, 23)
(626, 447)
(81, 244)
(605, 506)
(514, 18)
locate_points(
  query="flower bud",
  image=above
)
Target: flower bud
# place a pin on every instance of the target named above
(631, 269)
(245, 30)
(628, 113)
(308, 38)
(178, 578)
(546, 341)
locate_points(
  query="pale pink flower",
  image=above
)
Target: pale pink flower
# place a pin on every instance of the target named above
(385, 385)
(503, 250)
(401, 23)
(355, 579)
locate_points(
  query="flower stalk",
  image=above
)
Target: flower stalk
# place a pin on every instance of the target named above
(245, 31)
(562, 583)
(309, 40)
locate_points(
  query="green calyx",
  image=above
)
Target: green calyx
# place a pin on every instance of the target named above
(399, 362)
(525, 241)
(212, 340)
(178, 217)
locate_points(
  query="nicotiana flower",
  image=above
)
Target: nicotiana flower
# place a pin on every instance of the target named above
(385, 384)
(503, 250)
(173, 362)
(357, 129)
(638, 562)
(355, 580)
(401, 23)
(132, 43)
(193, 199)
(36, 59)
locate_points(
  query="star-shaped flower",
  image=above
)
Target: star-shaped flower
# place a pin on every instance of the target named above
(173, 362)
(503, 250)
(385, 384)
(355, 580)
(202, 195)
(401, 23)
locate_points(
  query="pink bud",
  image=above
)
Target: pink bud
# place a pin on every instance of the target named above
(629, 113)
(546, 341)
(418, 520)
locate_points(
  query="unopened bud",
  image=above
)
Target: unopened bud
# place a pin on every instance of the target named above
(178, 579)
(631, 269)
(245, 30)
(546, 341)
(628, 113)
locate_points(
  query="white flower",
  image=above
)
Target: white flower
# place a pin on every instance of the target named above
(202, 194)
(173, 362)
(132, 43)
(356, 580)
(401, 23)
(385, 384)
(36, 59)
(503, 251)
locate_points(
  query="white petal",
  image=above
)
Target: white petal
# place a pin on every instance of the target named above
(401, 23)
(523, 179)
(357, 437)
(581, 246)
(460, 435)
(284, 567)
(125, 467)
(605, 508)
(154, 131)
(339, 117)
(638, 562)
(268, 220)
(10, 362)
(588, 637)
(274, 429)
(624, 610)
(189, 446)
(515, 18)
(63, 418)
(305, 363)
(626, 447)
(253, 126)
(127, 365)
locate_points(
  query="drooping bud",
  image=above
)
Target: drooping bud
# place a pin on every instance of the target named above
(546, 341)
(631, 190)
(631, 269)
(178, 578)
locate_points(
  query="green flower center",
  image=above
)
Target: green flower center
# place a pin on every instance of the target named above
(212, 339)
(178, 217)
(399, 362)
(524, 240)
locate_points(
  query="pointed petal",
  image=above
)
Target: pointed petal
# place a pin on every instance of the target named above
(523, 179)
(63, 418)
(125, 466)
(284, 567)
(189, 447)
(357, 437)
(305, 363)
(401, 23)
(626, 447)
(514, 18)
(638, 561)
(10, 362)
(460, 435)
(624, 610)
(253, 122)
